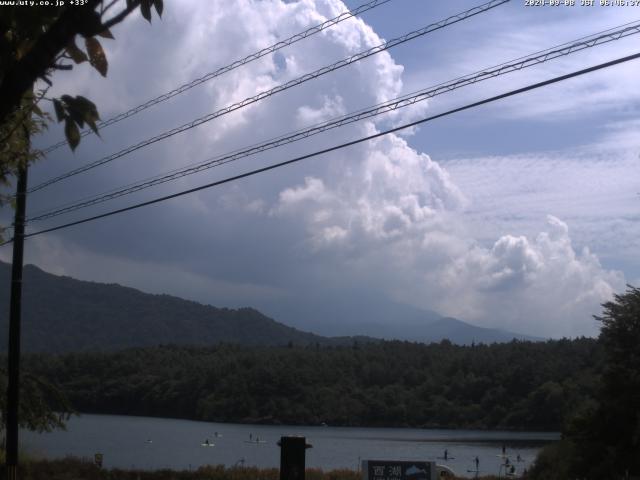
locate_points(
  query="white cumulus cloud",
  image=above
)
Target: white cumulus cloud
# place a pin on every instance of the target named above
(381, 215)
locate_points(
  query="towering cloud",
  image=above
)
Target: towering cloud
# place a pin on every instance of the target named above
(383, 217)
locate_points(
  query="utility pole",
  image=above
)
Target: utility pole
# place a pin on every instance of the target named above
(292, 457)
(13, 388)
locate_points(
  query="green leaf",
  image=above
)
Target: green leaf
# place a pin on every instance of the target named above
(59, 108)
(72, 133)
(145, 9)
(93, 126)
(76, 111)
(97, 58)
(84, 103)
(159, 4)
(77, 55)
(106, 34)
(89, 112)
(77, 117)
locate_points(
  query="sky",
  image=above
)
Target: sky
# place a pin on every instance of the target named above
(521, 215)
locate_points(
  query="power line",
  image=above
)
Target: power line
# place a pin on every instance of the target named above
(280, 88)
(232, 66)
(338, 147)
(401, 102)
(322, 71)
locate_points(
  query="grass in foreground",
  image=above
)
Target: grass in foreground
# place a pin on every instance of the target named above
(72, 468)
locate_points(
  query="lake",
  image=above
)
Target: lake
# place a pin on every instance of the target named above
(154, 443)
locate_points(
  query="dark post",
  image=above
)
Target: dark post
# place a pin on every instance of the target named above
(292, 457)
(13, 388)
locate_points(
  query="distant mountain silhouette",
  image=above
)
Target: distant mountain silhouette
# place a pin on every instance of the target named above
(460, 332)
(431, 328)
(357, 312)
(62, 314)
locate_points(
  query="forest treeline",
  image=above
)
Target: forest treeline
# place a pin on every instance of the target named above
(517, 385)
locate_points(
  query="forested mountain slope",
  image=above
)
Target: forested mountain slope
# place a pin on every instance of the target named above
(61, 314)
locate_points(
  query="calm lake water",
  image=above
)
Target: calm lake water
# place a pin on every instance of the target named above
(154, 443)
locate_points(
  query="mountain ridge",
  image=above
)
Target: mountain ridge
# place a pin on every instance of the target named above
(63, 314)
(83, 315)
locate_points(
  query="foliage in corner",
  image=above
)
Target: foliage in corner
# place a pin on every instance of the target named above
(43, 407)
(36, 42)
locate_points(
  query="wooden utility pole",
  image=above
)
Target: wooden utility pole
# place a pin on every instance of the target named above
(13, 388)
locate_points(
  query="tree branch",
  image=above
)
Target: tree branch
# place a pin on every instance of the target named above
(121, 16)
(104, 9)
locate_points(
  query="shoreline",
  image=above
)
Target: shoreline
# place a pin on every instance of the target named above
(255, 422)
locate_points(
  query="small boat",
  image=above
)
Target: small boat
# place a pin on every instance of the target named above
(255, 441)
(207, 443)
